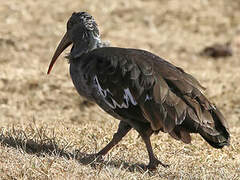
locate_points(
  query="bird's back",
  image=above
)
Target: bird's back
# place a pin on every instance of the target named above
(138, 85)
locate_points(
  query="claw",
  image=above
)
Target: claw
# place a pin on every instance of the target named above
(154, 163)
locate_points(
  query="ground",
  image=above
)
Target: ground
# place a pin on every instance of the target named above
(47, 129)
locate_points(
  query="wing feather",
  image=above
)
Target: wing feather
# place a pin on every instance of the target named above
(167, 97)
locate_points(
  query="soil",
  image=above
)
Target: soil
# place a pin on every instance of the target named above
(47, 128)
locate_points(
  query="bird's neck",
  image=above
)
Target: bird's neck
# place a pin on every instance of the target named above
(83, 47)
(101, 43)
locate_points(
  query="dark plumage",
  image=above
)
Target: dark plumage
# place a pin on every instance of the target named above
(140, 89)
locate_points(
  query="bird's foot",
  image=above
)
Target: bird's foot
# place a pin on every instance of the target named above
(154, 163)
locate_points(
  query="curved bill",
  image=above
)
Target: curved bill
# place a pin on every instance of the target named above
(65, 42)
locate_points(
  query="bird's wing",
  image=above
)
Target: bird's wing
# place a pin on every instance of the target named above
(167, 96)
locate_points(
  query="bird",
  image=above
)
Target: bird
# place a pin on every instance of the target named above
(143, 91)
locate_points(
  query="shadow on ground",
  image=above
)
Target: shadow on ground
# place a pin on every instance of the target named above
(49, 147)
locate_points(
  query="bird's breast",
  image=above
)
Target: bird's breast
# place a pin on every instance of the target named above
(81, 82)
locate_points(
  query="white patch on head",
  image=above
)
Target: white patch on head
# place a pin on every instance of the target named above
(128, 98)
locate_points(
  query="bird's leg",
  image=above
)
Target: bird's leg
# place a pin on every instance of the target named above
(153, 161)
(123, 129)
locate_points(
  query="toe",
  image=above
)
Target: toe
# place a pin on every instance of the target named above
(154, 163)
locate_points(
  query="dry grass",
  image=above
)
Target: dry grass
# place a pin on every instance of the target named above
(47, 130)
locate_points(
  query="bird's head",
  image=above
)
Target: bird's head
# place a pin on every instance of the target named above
(82, 32)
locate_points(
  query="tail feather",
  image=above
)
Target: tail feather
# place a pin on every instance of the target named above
(218, 136)
(212, 127)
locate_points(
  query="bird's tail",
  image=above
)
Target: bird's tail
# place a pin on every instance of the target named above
(217, 136)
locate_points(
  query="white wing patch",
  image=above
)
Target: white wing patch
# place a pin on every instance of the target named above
(148, 98)
(128, 98)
